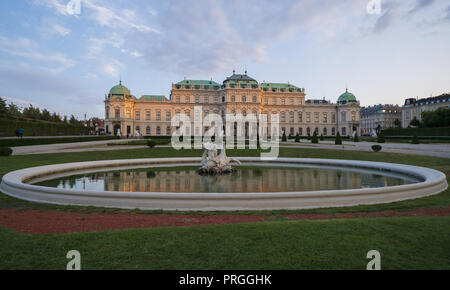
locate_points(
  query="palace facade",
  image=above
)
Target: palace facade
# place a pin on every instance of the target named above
(151, 115)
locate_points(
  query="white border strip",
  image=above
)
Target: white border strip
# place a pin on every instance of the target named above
(13, 185)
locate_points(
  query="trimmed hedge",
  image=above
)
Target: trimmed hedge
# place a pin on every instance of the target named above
(409, 132)
(5, 151)
(39, 128)
(376, 148)
(44, 141)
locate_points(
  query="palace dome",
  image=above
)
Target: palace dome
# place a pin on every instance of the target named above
(347, 97)
(120, 90)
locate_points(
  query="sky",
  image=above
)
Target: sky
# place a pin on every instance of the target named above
(65, 55)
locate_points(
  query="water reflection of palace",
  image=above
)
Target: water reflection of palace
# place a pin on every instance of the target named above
(254, 180)
(244, 180)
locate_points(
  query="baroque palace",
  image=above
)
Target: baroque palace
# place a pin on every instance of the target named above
(151, 115)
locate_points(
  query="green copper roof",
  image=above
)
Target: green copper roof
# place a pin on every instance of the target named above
(347, 97)
(120, 90)
(240, 78)
(153, 98)
(278, 85)
(198, 82)
(281, 86)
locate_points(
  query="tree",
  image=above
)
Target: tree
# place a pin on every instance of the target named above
(297, 138)
(14, 111)
(415, 139)
(3, 108)
(356, 139)
(397, 123)
(314, 138)
(338, 140)
(381, 138)
(46, 115)
(414, 122)
(283, 138)
(438, 118)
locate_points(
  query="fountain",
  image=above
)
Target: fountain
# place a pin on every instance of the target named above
(175, 183)
(213, 164)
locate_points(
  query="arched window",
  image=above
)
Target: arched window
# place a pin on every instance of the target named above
(308, 131)
(138, 129)
(244, 99)
(325, 131)
(158, 130)
(147, 130)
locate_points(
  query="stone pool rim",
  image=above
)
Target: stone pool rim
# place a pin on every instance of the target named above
(13, 184)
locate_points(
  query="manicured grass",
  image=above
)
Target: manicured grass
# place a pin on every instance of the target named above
(408, 243)
(11, 163)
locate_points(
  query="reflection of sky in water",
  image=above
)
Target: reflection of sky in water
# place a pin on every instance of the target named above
(246, 179)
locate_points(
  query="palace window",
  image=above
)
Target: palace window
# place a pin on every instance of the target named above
(147, 116)
(325, 117)
(138, 115)
(333, 131)
(343, 116)
(158, 130)
(206, 99)
(266, 101)
(274, 101)
(316, 117)
(325, 131)
(283, 101)
(292, 131)
(283, 117)
(188, 99)
(333, 118)
(216, 99)
(187, 113)
(117, 113)
(168, 130)
(317, 130)
(300, 117)
(223, 99)
(197, 99)
(233, 99)
(158, 116)
(244, 99)
(291, 116)
(138, 129)
(168, 116)
(292, 101)
(178, 99)
(308, 131)
(344, 131)
(308, 117)
(147, 130)
(254, 99)
(353, 116)
(300, 131)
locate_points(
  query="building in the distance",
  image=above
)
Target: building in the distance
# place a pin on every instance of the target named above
(151, 114)
(379, 116)
(413, 108)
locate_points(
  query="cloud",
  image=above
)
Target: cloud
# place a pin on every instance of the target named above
(27, 50)
(59, 29)
(21, 103)
(420, 4)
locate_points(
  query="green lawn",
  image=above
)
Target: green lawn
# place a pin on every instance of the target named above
(408, 243)
(404, 243)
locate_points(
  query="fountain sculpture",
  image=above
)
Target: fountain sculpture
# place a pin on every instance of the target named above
(213, 164)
